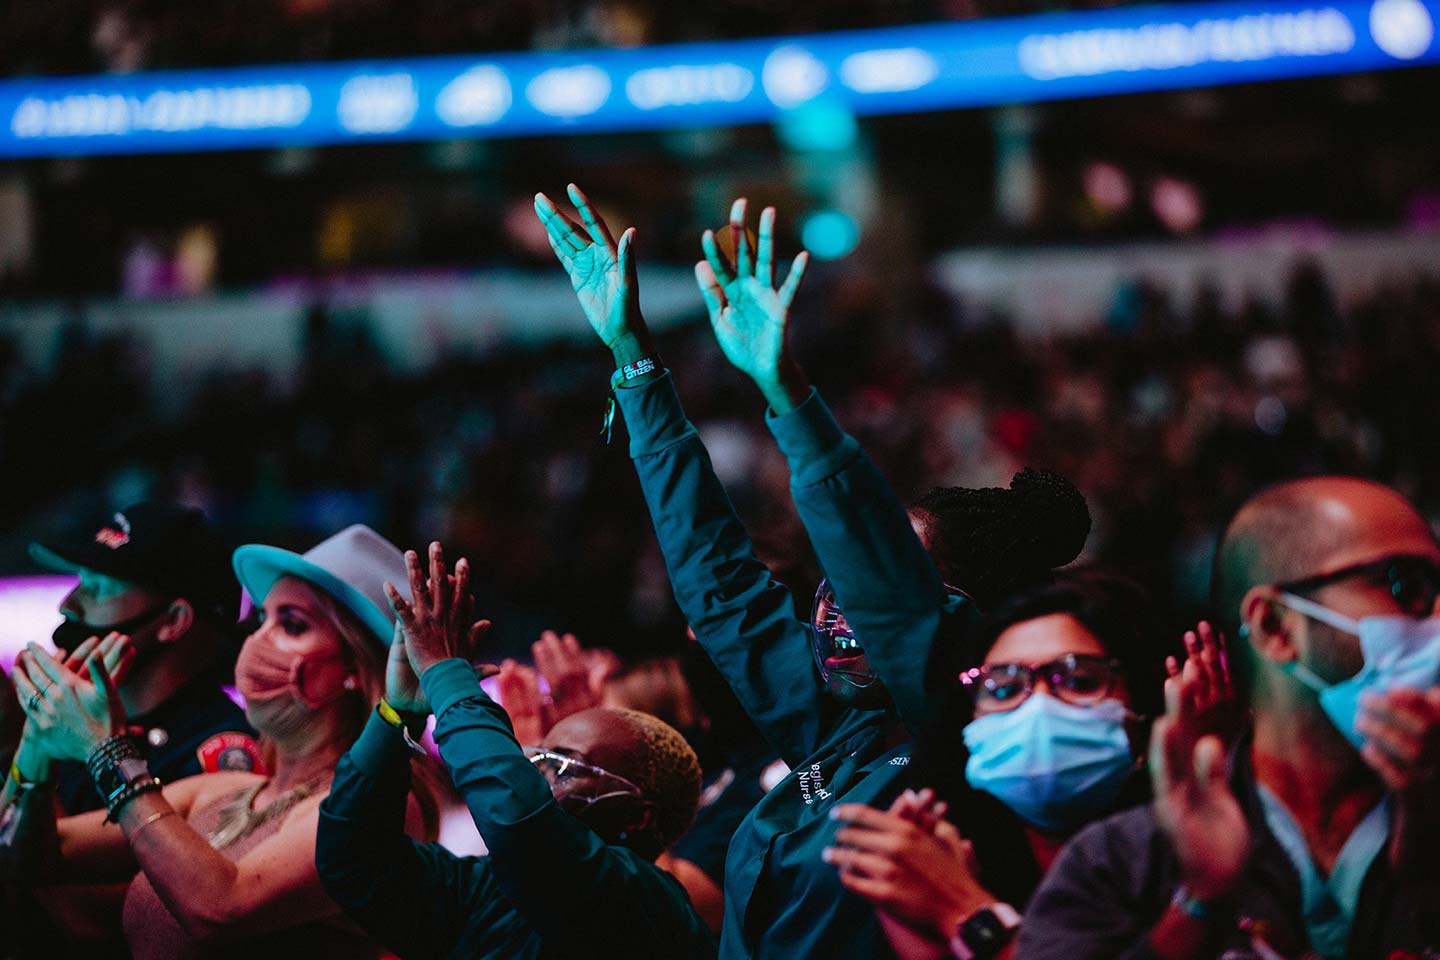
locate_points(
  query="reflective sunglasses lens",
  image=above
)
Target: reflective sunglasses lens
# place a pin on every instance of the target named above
(1415, 584)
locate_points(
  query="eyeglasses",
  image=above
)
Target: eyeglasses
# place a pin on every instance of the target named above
(562, 770)
(1414, 582)
(829, 622)
(1078, 678)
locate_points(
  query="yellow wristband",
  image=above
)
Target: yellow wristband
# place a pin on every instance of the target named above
(19, 780)
(388, 714)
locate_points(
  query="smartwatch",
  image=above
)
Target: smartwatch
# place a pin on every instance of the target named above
(985, 932)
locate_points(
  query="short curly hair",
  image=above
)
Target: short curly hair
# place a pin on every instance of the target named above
(990, 542)
(667, 771)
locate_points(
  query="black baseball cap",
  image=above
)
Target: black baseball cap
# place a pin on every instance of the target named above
(162, 546)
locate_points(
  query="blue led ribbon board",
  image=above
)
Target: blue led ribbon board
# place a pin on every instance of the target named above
(894, 70)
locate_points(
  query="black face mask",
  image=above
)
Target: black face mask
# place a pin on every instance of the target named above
(71, 633)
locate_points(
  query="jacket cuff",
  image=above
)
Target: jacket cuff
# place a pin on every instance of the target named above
(380, 749)
(653, 415)
(448, 682)
(812, 441)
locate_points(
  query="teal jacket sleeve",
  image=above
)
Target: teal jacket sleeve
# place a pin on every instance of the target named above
(411, 897)
(579, 893)
(742, 616)
(884, 581)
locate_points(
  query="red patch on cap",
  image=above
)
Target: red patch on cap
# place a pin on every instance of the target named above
(112, 538)
(230, 751)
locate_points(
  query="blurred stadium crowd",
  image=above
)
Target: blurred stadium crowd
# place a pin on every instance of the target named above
(78, 36)
(1164, 418)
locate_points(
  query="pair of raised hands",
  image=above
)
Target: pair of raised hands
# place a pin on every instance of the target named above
(436, 624)
(747, 312)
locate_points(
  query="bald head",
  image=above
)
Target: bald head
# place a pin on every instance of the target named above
(1305, 527)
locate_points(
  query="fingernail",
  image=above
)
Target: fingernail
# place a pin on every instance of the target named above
(828, 854)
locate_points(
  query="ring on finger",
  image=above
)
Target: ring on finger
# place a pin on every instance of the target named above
(38, 694)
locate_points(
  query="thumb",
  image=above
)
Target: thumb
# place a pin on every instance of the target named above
(626, 256)
(1209, 764)
(105, 692)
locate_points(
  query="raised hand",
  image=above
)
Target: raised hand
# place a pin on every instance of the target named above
(1202, 687)
(562, 663)
(1195, 806)
(602, 272)
(70, 712)
(747, 313)
(520, 695)
(1401, 728)
(436, 619)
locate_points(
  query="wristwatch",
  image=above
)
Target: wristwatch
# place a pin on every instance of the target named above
(120, 775)
(985, 932)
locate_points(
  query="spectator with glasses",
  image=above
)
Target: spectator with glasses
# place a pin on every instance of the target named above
(1318, 835)
(573, 825)
(846, 728)
(1052, 722)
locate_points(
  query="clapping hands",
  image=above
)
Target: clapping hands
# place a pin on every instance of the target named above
(75, 704)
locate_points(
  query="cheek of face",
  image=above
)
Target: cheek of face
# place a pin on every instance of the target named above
(99, 600)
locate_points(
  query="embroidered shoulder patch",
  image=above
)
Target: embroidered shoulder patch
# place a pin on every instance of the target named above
(230, 751)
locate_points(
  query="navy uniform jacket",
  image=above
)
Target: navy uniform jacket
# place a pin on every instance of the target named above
(550, 887)
(781, 899)
(1114, 880)
(197, 717)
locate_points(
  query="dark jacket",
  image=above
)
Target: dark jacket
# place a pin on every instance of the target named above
(550, 888)
(1111, 884)
(781, 899)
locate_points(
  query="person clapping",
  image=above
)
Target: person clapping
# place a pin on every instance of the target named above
(573, 824)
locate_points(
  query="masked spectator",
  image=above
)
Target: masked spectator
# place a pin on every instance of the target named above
(226, 860)
(1053, 727)
(573, 825)
(1316, 835)
(846, 733)
(157, 574)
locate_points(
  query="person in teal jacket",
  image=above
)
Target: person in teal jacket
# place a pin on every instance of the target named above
(573, 826)
(846, 731)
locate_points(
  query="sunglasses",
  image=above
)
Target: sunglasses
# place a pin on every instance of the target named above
(1413, 582)
(1078, 678)
(562, 770)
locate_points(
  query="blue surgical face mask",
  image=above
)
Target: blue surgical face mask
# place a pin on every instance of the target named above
(1399, 651)
(1055, 764)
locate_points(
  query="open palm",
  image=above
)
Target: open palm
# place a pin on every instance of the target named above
(601, 271)
(1196, 808)
(747, 313)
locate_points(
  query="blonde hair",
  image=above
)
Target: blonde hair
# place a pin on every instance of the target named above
(366, 654)
(666, 770)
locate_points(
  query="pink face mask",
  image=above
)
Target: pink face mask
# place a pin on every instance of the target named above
(263, 672)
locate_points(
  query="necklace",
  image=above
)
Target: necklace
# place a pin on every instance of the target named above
(239, 818)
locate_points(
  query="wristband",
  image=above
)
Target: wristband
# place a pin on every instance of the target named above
(120, 773)
(1196, 908)
(632, 370)
(21, 784)
(617, 379)
(391, 716)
